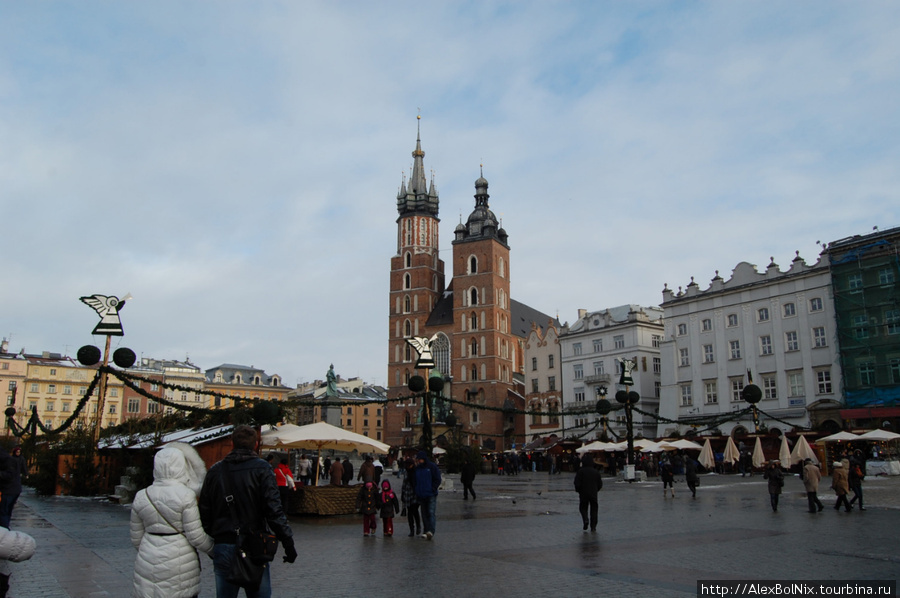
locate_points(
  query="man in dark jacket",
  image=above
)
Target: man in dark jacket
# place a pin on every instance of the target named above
(257, 506)
(467, 476)
(348, 472)
(587, 484)
(428, 479)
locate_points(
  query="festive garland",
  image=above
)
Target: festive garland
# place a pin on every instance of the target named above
(129, 380)
(34, 421)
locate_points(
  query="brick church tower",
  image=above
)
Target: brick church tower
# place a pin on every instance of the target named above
(475, 349)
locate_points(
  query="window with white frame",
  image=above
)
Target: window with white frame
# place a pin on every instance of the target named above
(791, 342)
(732, 320)
(686, 398)
(655, 340)
(657, 365)
(795, 384)
(737, 385)
(815, 304)
(855, 283)
(35, 387)
(579, 371)
(708, 354)
(762, 314)
(860, 326)
(892, 321)
(712, 394)
(576, 348)
(823, 381)
(579, 395)
(657, 388)
(867, 373)
(886, 277)
(134, 405)
(682, 329)
(551, 361)
(684, 357)
(769, 391)
(533, 364)
(50, 406)
(51, 388)
(598, 368)
(706, 325)
(65, 407)
(619, 341)
(735, 349)
(534, 385)
(894, 366)
(789, 310)
(819, 339)
(598, 345)
(67, 390)
(765, 345)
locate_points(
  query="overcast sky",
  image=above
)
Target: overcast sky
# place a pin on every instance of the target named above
(235, 165)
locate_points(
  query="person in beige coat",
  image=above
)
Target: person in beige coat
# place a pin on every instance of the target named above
(841, 486)
(166, 527)
(811, 478)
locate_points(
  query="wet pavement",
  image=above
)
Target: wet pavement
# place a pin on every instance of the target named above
(521, 537)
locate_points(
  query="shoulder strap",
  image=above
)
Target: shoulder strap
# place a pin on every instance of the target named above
(161, 514)
(225, 479)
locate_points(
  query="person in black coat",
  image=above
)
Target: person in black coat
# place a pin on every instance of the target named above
(690, 475)
(467, 476)
(587, 484)
(348, 472)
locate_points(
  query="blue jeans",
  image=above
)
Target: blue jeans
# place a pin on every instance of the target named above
(7, 502)
(222, 555)
(428, 504)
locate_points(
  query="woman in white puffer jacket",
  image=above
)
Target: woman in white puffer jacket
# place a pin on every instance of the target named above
(166, 528)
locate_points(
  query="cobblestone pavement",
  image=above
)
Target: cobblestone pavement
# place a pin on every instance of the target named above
(521, 537)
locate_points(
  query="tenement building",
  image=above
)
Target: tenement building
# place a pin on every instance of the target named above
(777, 327)
(865, 271)
(477, 330)
(592, 352)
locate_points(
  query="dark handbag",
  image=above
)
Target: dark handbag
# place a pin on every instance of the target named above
(244, 571)
(253, 550)
(261, 546)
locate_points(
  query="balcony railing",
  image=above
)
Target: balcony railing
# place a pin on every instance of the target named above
(597, 379)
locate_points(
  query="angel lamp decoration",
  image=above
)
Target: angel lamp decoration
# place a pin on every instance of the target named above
(423, 345)
(107, 307)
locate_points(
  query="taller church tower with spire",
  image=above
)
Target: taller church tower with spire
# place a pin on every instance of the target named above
(476, 348)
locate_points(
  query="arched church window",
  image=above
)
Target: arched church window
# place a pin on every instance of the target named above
(473, 351)
(408, 259)
(407, 304)
(474, 321)
(474, 372)
(407, 329)
(473, 297)
(440, 351)
(407, 281)
(473, 265)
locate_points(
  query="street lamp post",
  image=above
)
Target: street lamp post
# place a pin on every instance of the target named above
(628, 399)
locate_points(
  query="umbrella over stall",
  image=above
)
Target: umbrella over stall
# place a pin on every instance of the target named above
(731, 454)
(759, 459)
(706, 458)
(319, 436)
(803, 451)
(784, 453)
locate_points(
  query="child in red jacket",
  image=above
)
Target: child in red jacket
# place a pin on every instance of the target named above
(390, 505)
(367, 504)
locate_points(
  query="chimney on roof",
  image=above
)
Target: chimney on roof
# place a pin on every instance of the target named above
(582, 313)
